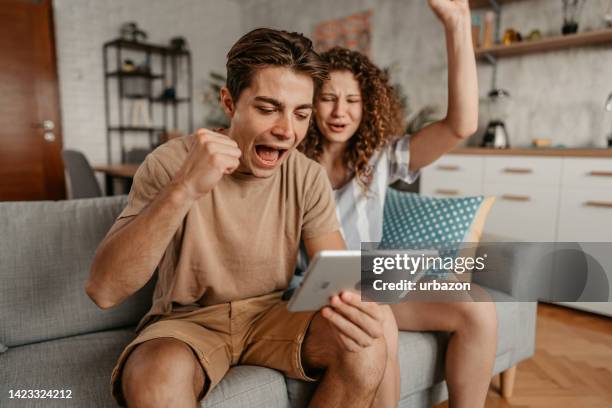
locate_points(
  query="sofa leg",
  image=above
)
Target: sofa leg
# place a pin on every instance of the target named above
(507, 381)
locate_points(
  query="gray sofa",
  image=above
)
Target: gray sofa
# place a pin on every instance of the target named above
(52, 337)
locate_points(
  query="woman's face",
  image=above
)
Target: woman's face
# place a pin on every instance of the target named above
(339, 107)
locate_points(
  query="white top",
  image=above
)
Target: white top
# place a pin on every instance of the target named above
(361, 213)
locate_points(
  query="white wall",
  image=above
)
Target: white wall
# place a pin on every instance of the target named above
(558, 94)
(81, 28)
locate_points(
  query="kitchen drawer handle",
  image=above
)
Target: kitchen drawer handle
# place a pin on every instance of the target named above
(512, 197)
(447, 167)
(447, 192)
(599, 204)
(601, 173)
(517, 170)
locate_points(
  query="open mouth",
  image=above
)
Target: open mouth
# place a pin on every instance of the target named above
(269, 156)
(336, 127)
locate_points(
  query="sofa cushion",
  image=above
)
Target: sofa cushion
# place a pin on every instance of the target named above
(415, 221)
(46, 251)
(83, 364)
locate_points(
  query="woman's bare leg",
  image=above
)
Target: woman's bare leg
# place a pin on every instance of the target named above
(471, 349)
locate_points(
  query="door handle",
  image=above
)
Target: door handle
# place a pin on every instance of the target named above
(446, 192)
(513, 197)
(49, 136)
(517, 170)
(600, 204)
(447, 167)
(601, 173)
(45, 125)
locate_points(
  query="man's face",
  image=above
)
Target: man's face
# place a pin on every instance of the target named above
(270, 118)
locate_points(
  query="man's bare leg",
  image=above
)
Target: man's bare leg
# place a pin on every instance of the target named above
(162, 372)
(351, 378)
(471, 349)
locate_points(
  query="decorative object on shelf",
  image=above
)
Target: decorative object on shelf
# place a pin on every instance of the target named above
(541, 142)
(608, 15)
(534, 35)
(168, 94)
(571, 14)
(130, 32)
(128, 66)
(139, 117)
(488, 31)
(135, 87)
(496, 135)
(608, 107)
(511, 36)
(178, 43)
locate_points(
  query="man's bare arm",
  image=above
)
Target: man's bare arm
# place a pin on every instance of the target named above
(126, 259)
(129, 254)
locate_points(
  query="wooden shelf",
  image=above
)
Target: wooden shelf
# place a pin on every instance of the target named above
(147, 47)
(170, 101)
(548, 44)
(135, 74)
(480, 4)
(157, 99)
(135, 129)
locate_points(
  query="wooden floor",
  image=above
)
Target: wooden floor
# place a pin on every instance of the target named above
(571, 368)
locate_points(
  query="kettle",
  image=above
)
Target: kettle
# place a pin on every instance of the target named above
(496, 135)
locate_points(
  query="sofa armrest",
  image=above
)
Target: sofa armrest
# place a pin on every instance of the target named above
(505, 268)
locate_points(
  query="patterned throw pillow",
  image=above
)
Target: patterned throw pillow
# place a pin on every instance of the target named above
(416, 221)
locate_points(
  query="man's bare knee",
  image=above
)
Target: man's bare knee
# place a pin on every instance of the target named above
(161, 370)
(366, 367)
(363, 369)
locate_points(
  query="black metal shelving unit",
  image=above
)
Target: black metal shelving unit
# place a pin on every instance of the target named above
(163, 68)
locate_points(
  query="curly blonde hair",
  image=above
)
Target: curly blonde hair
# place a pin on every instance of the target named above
(382, 120)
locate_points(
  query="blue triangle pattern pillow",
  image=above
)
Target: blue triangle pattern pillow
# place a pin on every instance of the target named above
(415, 221)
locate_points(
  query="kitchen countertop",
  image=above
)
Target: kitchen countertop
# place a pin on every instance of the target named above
(535, 151)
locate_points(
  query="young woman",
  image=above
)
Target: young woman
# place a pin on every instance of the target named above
(356, 136)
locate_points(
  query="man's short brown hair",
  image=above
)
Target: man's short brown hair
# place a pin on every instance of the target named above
(265, 47)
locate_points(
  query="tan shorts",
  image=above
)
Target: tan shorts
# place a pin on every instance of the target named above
(256, 331)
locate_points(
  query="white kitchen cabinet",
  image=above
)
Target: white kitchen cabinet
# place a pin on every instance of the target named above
(585, 215)
(523, 212)
(587, 173)
(457, 167)
(538, 199)
(448, 187)
(522, 170)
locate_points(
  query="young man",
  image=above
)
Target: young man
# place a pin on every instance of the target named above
(221, 215)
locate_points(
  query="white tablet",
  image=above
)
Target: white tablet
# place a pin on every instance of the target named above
(331, 272)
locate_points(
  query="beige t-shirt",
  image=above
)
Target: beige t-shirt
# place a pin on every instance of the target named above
(239, 241)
